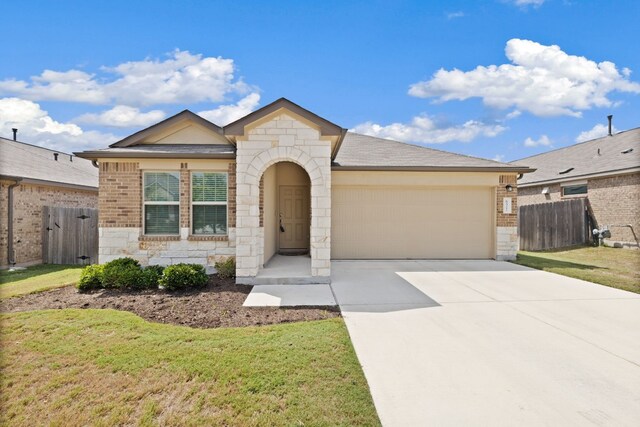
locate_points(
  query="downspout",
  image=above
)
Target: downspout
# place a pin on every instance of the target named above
(10, 258)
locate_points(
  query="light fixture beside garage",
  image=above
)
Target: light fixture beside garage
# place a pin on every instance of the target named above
(509, 188)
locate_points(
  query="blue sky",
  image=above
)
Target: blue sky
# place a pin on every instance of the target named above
(497, 79)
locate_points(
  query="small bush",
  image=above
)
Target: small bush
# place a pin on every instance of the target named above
(91, 277)
(151, 276)
(123, 262)
(226, 269)
(183, 276)
(123, 273)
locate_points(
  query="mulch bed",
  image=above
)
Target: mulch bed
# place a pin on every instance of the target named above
(218, 305)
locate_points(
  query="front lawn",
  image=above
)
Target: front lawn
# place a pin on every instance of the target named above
(617, 268)
(107, 367)
(37, 278)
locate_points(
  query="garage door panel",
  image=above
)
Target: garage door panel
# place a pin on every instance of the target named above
(422, 222)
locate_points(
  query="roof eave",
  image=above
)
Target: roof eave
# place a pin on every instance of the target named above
(582, 176)
(26, 180)
(434, 169)
(95, 155)
(334, 154)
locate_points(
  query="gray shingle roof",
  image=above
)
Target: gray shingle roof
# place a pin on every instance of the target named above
(165, 150)
(598, 156)
(362, 151)
(27, 161)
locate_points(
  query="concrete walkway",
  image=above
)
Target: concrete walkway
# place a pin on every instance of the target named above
(289, 296)
(452, 343)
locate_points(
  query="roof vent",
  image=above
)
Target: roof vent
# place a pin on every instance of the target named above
(15, 134)
(565, 171)
(627, 151)
(610, 117)
(55, 156)
(71, 158)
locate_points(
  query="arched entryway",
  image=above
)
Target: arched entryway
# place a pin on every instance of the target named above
(285, 214)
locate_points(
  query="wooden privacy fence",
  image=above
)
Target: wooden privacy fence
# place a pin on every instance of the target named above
(554, 225)
(69, 235)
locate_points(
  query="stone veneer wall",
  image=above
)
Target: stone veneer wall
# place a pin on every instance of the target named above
(614, 200)
(120, 225)
(283, 138)
(29, 200)
(507, 224)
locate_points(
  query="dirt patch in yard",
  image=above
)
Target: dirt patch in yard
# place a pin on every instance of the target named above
(217, 305)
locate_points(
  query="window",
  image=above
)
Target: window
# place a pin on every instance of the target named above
(209, 203)
(574, 190)
(161, 203)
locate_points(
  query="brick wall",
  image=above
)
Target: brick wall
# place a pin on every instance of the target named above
(503, 219)
(121, 220)
(27, 216)
(507, 223)
(614, 200)
(120, 200)
(533, 195)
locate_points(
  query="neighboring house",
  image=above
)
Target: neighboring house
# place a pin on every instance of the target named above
(32, 177)
(604, 170)
(283, 180)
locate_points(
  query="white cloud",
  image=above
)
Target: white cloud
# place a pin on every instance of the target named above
(425, 130)
(598, 131)
(525, 3)
(499, 158)
(181, 79)
(454, 15)
(543, 141)
(512, 115)
(226, 114)
(122, 116)
(542, 80)
(35, 126)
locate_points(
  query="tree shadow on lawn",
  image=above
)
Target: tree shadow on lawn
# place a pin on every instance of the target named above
(543, 263)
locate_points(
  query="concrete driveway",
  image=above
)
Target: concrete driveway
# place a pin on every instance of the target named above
(491, 343)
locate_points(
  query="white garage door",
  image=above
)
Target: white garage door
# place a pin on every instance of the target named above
(416, 222)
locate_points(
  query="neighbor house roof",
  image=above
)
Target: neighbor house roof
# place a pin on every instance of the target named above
(609, 155)
(38, 165)
(362, 152)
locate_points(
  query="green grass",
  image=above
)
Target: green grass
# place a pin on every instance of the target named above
(617, 268)
(37, 279)
(106, 367)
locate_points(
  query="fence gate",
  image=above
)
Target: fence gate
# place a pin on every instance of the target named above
(554, 225)
(70, 235)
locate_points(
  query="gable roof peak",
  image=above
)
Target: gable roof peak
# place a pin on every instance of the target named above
(326, 127)
(168, 122)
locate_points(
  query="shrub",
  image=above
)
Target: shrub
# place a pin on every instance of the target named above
(183, 276)
(123, 273)
(123, 262)
(226, 269)
(151, 276)
(91, 277)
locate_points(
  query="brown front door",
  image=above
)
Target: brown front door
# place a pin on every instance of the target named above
(294, 218)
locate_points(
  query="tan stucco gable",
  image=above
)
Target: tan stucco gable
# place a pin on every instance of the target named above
(203, 130)
(186, 132)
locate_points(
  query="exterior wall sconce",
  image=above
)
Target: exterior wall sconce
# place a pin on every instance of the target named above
(509, 188)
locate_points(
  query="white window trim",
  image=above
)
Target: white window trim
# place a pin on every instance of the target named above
(192, 203)
(145, 203)
(573, 184)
